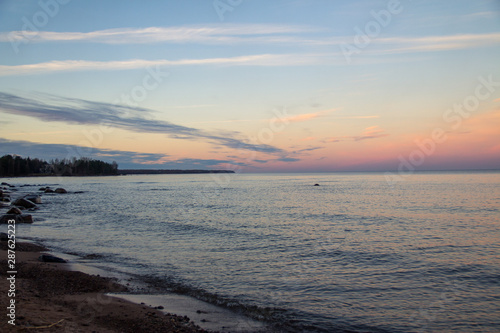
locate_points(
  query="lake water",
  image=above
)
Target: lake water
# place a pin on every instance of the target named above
(353, 254)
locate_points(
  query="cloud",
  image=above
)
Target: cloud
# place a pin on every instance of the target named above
(288, 159)
(207, 34)
(435, 43)
(136, 119)
(230, 34)
(60, 151)
(84, 65)
(372, 132)
(306, 116)
(125, 159)
(308, 149)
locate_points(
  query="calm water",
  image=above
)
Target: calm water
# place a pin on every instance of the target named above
(352, 254)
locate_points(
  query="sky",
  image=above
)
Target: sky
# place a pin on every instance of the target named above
(253, 85)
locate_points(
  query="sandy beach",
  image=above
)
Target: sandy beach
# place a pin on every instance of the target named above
(51, 298)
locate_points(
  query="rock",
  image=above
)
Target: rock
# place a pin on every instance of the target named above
(24, 203)
(19, 218)
(43, 188)
(34, 198)
(316, 184)
(49, 190)
(60, 190)
(4, 202)
(3, 237)
(51, 258)
(27, 218)
(15, 211)
(6, 184)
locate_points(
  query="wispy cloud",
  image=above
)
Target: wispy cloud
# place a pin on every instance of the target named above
(207, 34)
(136, 119)
(84, 65)
(307, 116)
(395, 45)
(229, 34)
(125, 159)
(372, 132)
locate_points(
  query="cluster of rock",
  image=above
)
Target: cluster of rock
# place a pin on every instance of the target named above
(49, 190)
(29, 202)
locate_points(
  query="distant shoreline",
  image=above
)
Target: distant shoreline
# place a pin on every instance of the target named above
(167, 171)
(129, 172)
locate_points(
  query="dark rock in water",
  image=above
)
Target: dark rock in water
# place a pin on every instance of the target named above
(43, 188)
(60, 190)
(316, 184)
(24, 203)
(34, 198)
(4, 202)
(27, 218)
(48, 190)
(6, 184)
(92, 256)
(4, 219)
(19, 218)
(3, 237)
(51, 258)
(15, 211)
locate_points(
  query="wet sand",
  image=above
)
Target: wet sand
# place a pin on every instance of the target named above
(51, 298)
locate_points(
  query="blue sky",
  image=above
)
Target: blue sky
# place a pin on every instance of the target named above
(258, 85)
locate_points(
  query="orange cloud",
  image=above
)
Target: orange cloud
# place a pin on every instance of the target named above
(307, 116)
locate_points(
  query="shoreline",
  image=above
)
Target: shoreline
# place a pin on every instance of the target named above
(41, 287)
(50, 297)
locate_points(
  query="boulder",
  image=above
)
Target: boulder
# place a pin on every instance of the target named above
(48, 190)
(34, 198)
(4, 202)
(15, 211)
(51, 258)
(27, 218)
(43, 188)
(19, 218)
(24, 203)
(316, 184)
(60, 190)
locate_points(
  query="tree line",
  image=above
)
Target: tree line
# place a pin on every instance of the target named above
(15, 166)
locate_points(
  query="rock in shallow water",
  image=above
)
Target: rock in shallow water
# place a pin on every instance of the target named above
(15, 211)
(34, 198)
(51, 258)
(24, 203)
(19, 218)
